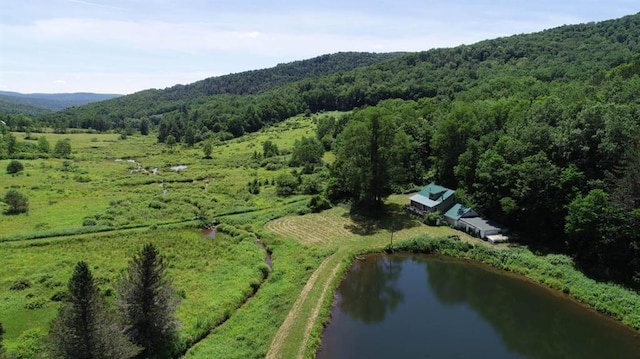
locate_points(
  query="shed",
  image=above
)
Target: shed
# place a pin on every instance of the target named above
(481, 227)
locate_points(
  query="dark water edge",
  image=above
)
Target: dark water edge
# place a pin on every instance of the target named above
(408, 306)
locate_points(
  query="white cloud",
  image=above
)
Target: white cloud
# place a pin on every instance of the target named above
(114, 48)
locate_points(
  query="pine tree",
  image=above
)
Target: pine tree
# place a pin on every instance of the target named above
(84, 328)
(148, 302)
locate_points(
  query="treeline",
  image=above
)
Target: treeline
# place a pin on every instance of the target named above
(560, 168)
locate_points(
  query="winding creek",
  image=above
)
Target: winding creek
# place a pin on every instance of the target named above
(418, 306)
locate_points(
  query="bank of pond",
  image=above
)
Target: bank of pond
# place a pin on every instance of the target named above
(410, 304)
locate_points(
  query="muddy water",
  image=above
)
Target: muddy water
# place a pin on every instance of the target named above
(406, 306)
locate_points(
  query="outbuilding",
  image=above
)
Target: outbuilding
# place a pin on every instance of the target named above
(480, 227)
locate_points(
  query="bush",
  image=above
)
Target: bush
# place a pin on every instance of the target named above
(20, 284)
(89, 221)
(35, 304)
(17, 202)
(62, 148)
(286, 184)
(14, 167)
(319, 204)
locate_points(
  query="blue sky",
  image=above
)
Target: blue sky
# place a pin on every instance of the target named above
(124, 46)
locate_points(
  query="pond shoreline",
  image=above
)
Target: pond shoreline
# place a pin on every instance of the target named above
(551, 271)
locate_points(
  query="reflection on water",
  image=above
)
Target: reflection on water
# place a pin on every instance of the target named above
(426, 306)
(371, 288)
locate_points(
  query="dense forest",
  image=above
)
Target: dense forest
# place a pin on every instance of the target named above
(539, 131)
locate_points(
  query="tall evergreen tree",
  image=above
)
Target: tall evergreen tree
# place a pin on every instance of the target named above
(84, 329)
(148, 303)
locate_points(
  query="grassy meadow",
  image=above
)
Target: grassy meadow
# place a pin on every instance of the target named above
(105, 202)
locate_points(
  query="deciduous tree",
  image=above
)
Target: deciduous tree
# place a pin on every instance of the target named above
(14, 167)
(62, 148)
(17, 202)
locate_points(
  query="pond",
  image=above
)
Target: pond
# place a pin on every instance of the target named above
(418, 306)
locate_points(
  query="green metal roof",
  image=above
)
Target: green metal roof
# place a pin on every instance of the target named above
(458, 211)
(436, 193)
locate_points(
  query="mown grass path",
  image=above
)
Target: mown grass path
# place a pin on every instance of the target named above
(337, 229)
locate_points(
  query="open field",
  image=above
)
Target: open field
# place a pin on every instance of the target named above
(105, 201)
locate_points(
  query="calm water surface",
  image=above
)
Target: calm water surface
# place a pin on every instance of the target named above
(405, 306)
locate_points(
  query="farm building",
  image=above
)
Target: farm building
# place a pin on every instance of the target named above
(433, 198)
(481, 227)
(437, 198)
(457, 212)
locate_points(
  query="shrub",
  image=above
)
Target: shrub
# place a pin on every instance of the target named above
(18, 202)
(286, 184)
(35, 304)
(89, 221)
(60, 296)
(62, 148)
(319, 204)
(20, 284)
(14, 167)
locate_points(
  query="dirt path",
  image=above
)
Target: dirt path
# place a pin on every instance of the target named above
(311, 321)
(275, 351)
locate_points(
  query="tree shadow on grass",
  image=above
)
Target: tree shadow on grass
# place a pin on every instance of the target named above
(389, 217)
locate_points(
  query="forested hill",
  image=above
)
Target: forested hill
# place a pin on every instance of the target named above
(155, 101)
(247, 101)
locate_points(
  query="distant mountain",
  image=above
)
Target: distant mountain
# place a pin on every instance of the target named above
(38, 103)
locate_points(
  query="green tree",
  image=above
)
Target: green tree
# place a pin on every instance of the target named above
(207, 149)
(170, 141)
(286, 184)
(62, 148)
(11, 144)
(14, 167)
(84, 328)
(43, 145)
(17, 202)
(144, 126)
(364, 155)
(307, 150)
(147, 302)
(595, 227)
(269, 149)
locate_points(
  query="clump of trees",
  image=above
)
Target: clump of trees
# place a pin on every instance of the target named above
(144, 324)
